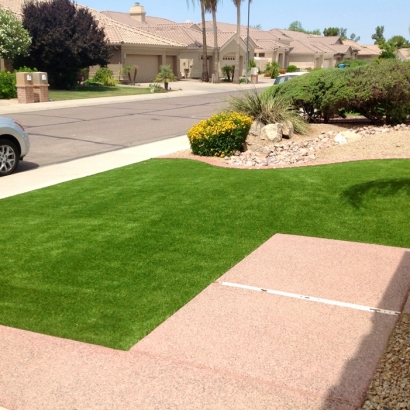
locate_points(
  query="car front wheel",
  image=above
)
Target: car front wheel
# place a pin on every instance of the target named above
(9, 157)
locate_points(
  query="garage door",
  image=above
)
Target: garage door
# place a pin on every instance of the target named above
(148, 66)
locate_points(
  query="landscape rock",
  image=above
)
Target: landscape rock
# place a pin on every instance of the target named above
(351, 136)
(256, 128)
(264, 152)
(340, 139)
(272, 132)
(287, 129)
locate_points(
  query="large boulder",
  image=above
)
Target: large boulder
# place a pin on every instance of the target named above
(256, 128)
(287, 129)
(272, 132)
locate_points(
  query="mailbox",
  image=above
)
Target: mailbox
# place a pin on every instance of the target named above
(23, 79)
(40, 78)
(25, 88)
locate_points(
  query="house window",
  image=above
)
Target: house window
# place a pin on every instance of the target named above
(261, 54)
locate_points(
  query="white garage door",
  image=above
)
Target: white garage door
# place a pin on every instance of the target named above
(148, 66)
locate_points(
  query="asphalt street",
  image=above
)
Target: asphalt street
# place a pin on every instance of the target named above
(61, 135)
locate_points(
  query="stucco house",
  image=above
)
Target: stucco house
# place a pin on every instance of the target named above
(147, 42)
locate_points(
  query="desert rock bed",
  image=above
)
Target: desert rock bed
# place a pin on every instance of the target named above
(319, 146)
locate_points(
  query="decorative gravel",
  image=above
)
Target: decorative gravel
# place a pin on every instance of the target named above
(390, 386)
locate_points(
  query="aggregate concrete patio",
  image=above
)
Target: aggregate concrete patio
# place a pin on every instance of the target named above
(231, 347)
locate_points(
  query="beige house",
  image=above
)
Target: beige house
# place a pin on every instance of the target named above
(147, 42)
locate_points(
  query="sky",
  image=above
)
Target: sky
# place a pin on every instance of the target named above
(360, 17)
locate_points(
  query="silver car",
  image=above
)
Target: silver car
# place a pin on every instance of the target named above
(14, 145)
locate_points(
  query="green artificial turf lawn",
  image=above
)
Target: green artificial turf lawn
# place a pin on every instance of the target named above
(95, 92)
(105, 259)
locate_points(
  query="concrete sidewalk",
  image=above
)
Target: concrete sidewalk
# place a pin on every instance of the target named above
(234, 347)
(55, 174)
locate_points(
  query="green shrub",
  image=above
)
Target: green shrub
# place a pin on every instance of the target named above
(92, 83)
(156, 88)
(272, 68)
(292, 69)
(105, 76)
(220, 135)
(8, 82)
(227, 71)
(380, 91)
(267, 109)
(7, 85)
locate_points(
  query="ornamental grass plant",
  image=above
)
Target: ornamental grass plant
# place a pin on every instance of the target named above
(220, 135)
(267, 109)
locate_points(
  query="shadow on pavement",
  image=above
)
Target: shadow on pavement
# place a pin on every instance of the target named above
(24, 166)
(356, 371)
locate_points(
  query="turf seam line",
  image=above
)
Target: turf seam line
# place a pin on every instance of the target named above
(313, 299)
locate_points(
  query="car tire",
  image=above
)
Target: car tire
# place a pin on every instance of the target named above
(9, 157)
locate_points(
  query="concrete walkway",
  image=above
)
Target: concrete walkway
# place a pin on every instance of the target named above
(298, 324)
(234, 346)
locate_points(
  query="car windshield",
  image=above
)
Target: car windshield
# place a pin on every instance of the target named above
(280, 80)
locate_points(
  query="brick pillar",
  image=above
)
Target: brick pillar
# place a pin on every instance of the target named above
(41, 93)
(25, 94)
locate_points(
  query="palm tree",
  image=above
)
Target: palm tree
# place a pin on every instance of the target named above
(165, 75)
(205, 74)
(211, 6)
(237, 73)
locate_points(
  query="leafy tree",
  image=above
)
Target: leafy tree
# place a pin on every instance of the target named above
(331, 31)
(297, 26)
(399, 42)
(378, 36)
(257, 26)
(353, 37)
(66, 38)
(14, 39)
(388, 50)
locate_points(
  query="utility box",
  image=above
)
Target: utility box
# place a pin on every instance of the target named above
(25, 88)
(40, 82)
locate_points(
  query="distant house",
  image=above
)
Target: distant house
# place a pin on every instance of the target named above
(403, 54)
(147, 42)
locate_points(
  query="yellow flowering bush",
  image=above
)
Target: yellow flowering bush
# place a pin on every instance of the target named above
(220, 135)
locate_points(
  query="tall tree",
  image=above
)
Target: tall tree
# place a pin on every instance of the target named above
(66, 38)
(14, 39)
(399, 42)
(331, 32)
(212, 5)
(353, 37)
(297, 26)
(237, 74)
(205, 73)
(378, 36)
(203, 4)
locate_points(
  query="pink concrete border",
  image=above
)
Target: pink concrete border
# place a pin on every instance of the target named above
(218, 163)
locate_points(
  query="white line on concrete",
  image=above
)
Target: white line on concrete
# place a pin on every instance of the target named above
(313, 299)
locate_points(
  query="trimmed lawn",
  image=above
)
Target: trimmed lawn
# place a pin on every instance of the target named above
(95, 92)
(106, 259)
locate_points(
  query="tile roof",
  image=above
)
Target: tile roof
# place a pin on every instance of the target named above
(125, 18)
(371, 50)
(118, 33)
(404, 54)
